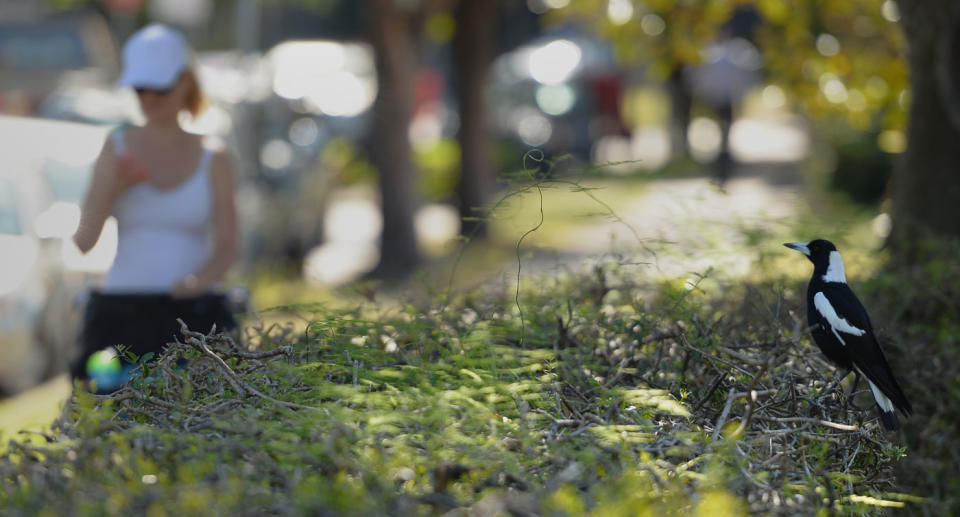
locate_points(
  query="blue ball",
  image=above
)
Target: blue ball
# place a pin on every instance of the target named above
(106, 369)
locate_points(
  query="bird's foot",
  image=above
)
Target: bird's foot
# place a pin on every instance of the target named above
(835, 384)
(850, 401)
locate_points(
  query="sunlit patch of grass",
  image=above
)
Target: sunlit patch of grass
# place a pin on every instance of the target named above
(275, 288)
(563, 206)
(33, 410)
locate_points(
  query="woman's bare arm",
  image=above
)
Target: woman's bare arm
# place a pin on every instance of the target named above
(98, 200)
(112, 176)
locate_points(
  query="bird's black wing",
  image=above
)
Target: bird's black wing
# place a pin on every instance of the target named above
(863, 349)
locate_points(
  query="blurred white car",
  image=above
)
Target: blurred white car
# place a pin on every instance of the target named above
(21, 292)
(45, 166)
(40, 51)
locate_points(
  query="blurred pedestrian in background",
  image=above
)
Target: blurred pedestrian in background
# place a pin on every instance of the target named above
(732, 65)
(172, 195)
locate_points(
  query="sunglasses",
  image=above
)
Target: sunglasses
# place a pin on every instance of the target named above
(155, 91)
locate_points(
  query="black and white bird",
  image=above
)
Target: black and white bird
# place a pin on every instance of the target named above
(841, 328)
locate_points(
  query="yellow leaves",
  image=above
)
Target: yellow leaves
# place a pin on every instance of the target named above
(472, 375)
(440, 27)
(612, 435)
(719, 503)
(776, 11)
(646, 107)
(156, 510)
(195, 500)
(874, 501)
(659, 400)
(732, 431)
(566, 500)
(892, 141)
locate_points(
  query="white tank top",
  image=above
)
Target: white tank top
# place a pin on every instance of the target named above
(163, 234)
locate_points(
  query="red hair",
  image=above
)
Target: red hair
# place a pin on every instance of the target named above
(195, 101)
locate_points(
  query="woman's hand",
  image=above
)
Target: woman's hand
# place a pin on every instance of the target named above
(188, 286)
(112, 176)
(224, 233)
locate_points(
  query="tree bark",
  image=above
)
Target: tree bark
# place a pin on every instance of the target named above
(926, 182)
(681, 102)
(395, 55)
(472, 55)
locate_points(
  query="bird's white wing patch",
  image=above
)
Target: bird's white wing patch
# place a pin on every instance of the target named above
(837, 324)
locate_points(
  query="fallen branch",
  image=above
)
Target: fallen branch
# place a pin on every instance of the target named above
(835, 425)
(723, 414)
(198, 341)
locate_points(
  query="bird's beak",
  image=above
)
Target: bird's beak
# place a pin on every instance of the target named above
(799, 246)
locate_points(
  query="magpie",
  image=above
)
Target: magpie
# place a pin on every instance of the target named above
(841, 328)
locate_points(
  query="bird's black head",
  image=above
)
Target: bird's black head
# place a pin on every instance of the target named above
(818, 251)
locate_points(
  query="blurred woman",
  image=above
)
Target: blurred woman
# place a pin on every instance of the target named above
(171, 193)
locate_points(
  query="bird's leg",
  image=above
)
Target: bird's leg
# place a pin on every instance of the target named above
(837, 382)
(853, 391)
(856, 381)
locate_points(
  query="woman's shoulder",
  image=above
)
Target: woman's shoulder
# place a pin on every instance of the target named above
(117, 138)
(125, 130)
(215, 145)
(220, 159)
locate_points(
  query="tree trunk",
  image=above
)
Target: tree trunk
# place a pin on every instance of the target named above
(681, 102)
(926, 183)
(395, 48)
(472, 55)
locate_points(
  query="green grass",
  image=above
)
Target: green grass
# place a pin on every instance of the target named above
(562, 206)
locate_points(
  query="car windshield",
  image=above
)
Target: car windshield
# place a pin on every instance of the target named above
(67, 181)
(9, 222)
(53, 46)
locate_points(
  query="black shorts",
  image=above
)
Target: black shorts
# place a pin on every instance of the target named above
(145, 323)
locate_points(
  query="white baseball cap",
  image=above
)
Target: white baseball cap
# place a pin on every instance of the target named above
(154, 57)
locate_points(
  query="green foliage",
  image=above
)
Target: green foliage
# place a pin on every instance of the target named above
(619, 401)
(346, 162)
(916, 307)
(439, 164)
(868, 62)
(842, 56)
(860, 169)
(664, 33)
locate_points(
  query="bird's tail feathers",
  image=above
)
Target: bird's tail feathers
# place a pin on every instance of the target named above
(889, 420)
(888, 413)
(886, 385)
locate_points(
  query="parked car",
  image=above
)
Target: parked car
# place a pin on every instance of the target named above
(39, 53)
(21, 293)
(45, 166)
(319, 91)
(557, 94)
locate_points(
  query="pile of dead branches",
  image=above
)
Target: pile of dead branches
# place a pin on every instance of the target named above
(795, 438)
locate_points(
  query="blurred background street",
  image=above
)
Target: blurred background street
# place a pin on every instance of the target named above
(697, 127)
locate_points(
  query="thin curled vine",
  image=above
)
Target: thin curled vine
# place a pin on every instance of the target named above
(534, 161)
